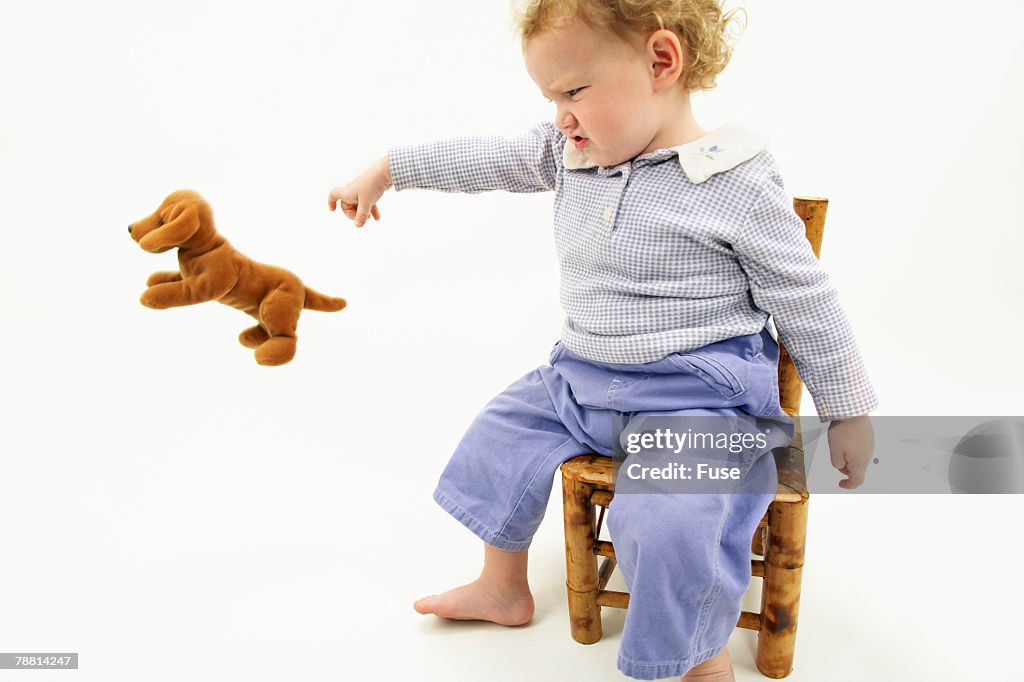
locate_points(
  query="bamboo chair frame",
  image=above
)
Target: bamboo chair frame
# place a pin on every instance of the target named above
(588, 484)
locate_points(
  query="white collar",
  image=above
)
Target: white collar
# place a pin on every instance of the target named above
(718, 151)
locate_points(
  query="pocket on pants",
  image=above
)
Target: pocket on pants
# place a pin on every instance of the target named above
(711, 370)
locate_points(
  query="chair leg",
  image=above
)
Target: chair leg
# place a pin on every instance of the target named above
(580, 561)
(757, 542)
(780, 592)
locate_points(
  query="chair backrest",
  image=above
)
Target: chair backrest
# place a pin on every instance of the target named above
(812, 211)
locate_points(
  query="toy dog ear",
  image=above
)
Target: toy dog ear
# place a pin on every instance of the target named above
(183, 223)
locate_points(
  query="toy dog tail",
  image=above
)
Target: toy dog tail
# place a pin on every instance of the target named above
(317, 301)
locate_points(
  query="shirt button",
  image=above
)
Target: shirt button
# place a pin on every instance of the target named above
(607, 215)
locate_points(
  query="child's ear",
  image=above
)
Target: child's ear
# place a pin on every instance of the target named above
(666, 58)
(181, 223)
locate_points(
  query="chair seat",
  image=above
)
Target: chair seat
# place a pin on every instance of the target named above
(600, 471)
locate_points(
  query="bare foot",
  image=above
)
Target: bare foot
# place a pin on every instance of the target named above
(481, 600)
(718, 668)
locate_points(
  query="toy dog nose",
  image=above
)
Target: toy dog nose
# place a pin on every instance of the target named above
(129, 229)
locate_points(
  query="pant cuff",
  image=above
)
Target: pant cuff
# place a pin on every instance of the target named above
(477, 527)
(657, 671)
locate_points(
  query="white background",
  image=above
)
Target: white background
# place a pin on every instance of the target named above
(170, 510)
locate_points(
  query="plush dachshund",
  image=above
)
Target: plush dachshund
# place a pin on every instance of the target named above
(211, 270)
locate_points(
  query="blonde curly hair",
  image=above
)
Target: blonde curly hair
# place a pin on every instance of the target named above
(700, 26)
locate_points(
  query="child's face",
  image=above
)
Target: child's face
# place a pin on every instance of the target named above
(601, 87)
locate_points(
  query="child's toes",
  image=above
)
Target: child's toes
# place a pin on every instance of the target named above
(426, 604)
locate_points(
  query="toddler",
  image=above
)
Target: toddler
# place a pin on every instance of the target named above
(675, 244)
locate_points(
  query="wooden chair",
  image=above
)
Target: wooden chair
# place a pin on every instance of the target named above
(588, 482)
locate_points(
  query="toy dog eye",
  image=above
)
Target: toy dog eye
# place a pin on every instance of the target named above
(160, 223)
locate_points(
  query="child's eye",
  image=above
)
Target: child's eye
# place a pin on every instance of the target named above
(574, 91)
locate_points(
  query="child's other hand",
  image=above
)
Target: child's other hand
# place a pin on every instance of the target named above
(358, 198)
(851, 443)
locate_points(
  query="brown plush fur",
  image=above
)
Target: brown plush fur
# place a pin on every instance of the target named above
(211, 270)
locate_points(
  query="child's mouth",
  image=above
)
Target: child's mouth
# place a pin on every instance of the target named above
(580, 142)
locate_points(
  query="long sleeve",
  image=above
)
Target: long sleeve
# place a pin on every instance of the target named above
(787, 282)
(524, 163)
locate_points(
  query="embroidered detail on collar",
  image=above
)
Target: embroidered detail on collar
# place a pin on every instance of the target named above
(720, 150)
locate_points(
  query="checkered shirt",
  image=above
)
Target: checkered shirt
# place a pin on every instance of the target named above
(673, 250)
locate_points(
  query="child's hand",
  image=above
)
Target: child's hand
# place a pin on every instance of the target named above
(359, 198)
(851, 443)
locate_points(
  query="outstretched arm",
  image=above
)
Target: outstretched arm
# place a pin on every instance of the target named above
(529, 162)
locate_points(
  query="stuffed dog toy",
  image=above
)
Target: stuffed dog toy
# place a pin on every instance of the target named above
(211, 270)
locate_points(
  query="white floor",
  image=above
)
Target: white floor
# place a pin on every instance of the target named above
(218, 587)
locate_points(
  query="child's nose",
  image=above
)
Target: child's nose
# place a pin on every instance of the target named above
(566, 122)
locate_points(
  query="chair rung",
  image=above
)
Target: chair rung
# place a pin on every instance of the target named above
(617, 600)
(620, 600)
(749, 620)
(606, 549)
(604, 572)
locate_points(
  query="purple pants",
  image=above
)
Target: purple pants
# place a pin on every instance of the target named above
(685, 558)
